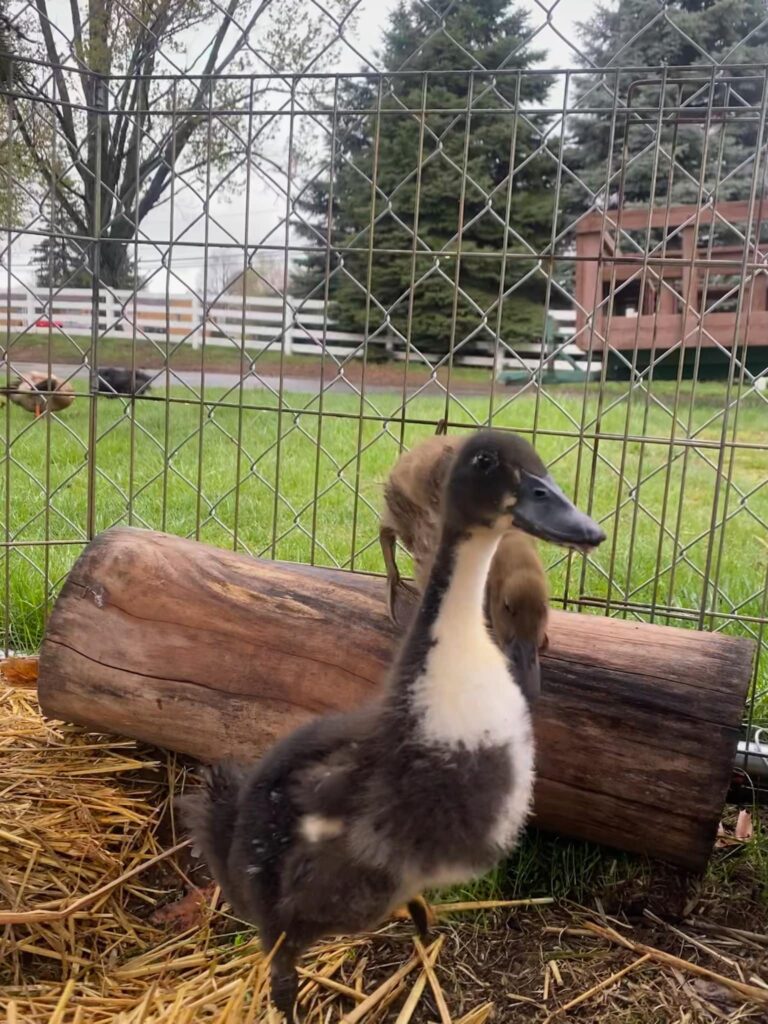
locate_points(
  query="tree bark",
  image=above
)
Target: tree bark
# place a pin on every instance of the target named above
(214, 654)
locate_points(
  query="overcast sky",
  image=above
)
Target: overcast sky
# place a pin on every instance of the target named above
(269, 208)
(227, 215)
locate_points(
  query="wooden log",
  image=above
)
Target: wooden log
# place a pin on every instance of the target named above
(212, 653)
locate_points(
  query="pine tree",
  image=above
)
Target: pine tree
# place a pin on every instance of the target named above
(463, 126)
(677, 34)
(62, 261)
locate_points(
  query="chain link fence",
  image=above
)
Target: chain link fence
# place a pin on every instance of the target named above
(316, 252)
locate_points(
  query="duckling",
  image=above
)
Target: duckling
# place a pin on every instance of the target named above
(39, 392)
(517, 593)
(115, 381)
(429, 784)
(517, 605)
(411, 513)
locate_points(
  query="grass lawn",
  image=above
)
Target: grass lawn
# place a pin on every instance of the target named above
(150, 464)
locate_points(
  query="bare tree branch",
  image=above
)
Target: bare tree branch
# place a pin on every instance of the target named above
(213, 67)
(47, 173)
(127, 153)
(65, 114)
(183, 134)
(77, 25)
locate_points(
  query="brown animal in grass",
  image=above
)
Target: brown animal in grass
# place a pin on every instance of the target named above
(40, 392)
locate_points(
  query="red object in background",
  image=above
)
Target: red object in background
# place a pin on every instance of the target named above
(45, 322)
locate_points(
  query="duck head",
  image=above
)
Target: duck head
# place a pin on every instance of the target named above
(499, 482)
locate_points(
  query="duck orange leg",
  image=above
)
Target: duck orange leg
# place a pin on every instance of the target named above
(420, 912)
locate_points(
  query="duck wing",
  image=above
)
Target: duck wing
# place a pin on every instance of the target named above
(310, 772)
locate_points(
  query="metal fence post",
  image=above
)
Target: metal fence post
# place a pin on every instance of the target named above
(96, 115)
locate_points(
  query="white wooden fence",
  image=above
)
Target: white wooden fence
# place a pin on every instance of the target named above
(301, 326)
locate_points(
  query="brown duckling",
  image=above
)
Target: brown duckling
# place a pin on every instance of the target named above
(517, 592)
(517, 598)
(40, 392)
(429, 784)
(412, 496)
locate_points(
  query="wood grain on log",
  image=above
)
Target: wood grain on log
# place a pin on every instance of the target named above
(213, 654)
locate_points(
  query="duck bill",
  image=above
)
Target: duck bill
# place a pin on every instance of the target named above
(542, 510)
(524, 658)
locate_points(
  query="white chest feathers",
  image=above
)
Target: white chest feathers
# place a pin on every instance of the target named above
(465, 695)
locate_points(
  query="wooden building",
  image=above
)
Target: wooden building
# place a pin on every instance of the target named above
(695, 286)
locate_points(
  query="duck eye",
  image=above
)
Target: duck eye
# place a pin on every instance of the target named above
(485, 461)
(540, 493)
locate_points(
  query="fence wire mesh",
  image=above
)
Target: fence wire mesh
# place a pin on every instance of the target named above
(315, 252)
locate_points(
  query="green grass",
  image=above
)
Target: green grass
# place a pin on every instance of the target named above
(735, 880)
(60, 349)
(149, 466)
(568, 869)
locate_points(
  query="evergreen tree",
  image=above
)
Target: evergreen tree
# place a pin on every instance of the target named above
(58, 260)
(681, 145)
(63, 261)
(381, 129)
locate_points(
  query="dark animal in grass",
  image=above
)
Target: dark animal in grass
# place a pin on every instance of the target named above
(39, 392)
(355, 814)
(517, 594)
(115, 381)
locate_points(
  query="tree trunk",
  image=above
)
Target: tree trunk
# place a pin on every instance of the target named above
(212, 654)
(115, 265)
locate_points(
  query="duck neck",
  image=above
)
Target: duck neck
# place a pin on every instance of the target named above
(459, 594)
(452, 609)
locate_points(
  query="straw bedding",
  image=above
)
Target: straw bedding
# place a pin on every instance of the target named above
(104, 917)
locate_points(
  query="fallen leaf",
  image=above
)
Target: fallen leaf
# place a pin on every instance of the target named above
(744, 825)
(20, 672)
(186, 912)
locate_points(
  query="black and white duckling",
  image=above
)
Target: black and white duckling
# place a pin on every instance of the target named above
(355, 814)
(517, 593)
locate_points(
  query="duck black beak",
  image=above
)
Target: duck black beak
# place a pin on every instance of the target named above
(524, 658)
(542, 510)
